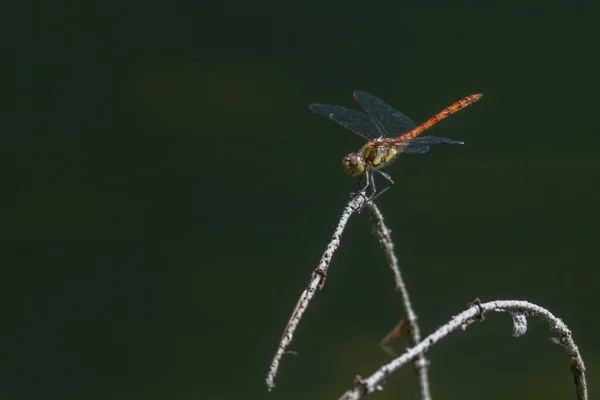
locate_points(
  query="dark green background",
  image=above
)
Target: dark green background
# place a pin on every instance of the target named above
(166, 194)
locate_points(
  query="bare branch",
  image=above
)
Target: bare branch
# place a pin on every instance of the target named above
(420, 364)
(316, 282)
(518, 309)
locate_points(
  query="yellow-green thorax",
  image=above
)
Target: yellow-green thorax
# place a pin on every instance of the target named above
(373, 156)
(378, 154)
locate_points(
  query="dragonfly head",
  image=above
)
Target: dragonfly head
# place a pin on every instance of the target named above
(354, 164)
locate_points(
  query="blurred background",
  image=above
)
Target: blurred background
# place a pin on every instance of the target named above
(167, 193)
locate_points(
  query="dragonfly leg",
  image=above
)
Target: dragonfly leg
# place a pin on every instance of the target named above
(366, 181)
(386, 176)
(370, 184)
(389, 178)
(360, 183)
(380, 193)
(367, 178)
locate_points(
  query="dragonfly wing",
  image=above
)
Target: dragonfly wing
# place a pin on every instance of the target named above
(434, 140)
(354, 120)
(415, 148)
(391, 122)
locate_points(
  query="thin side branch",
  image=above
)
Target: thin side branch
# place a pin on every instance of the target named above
(518, 309)
(316, 282)
(420, 364)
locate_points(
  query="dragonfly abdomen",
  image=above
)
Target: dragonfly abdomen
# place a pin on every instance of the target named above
(459, 105)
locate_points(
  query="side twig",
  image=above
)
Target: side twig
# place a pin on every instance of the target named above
(519, 310)
(316, 282)
(420, 364)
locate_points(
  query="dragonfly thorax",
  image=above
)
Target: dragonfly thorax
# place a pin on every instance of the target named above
(378, 153)
(354, 164)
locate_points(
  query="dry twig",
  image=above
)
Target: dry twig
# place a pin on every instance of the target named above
(420, 364)
(316, 282)
(518, 309)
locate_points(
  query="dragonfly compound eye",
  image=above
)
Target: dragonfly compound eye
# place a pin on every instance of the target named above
(354, 164)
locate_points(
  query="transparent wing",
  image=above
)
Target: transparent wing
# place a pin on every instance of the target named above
(356, 121)
(420, 145)
(415, 148)
(434, 140)
(390, 122)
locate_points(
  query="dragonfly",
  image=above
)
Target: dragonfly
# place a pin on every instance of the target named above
(389, 133)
